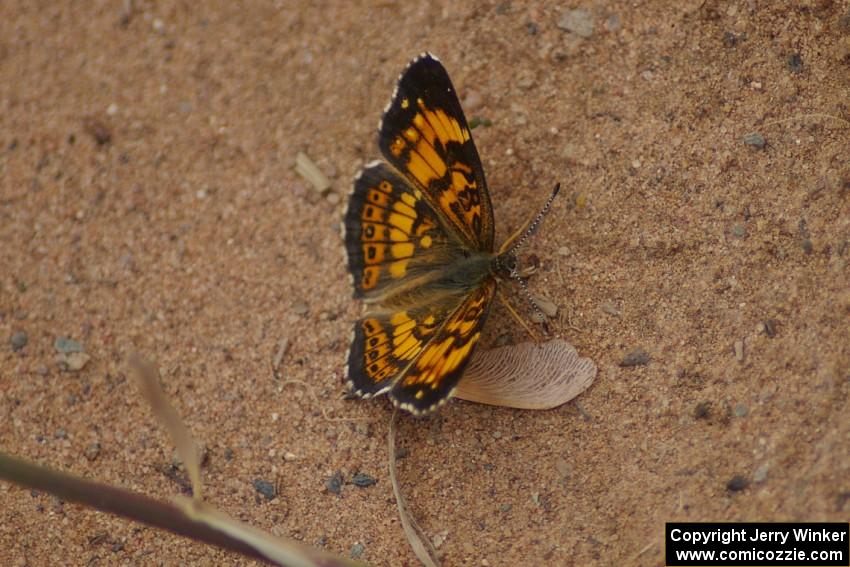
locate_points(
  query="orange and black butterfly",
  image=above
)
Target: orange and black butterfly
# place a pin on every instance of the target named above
(419, 236)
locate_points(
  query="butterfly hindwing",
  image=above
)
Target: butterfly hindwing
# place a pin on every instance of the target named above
(392, 235)
(386, 342)
(432, 377)
(424, 134)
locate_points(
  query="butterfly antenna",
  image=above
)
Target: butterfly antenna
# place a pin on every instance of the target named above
(524, 285)
(519, 238)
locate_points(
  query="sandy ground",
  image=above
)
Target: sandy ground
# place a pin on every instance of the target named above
(148, 200)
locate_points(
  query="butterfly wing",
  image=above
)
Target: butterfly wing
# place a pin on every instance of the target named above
(431, 378)
(418, 354)
(385, 342)
(424, 134)
(394, 240)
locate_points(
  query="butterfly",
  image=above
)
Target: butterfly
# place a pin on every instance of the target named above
(419, 236)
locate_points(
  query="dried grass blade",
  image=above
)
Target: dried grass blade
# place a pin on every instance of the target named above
(420, 543)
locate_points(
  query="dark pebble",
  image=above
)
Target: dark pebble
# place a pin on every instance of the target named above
(265, 488)
(98, 130)
(795, 63)
(730, 39)
(638, 357)
(702, 410)
(363, 480)
(357, 550)
(334, 483)
(770, 328)
(19, 340)
(755, 140)
(737, 483)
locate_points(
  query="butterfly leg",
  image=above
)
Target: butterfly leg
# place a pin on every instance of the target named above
(518, 317)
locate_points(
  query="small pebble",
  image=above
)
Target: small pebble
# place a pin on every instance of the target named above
(741, 410)
(731, 39)
(770, 328)
(737, 483)
(334, 483)
(637, 357)
(755, 140)
(19, 340)
(563, 251)
(357, 550)
(289, 457)
(363, 480)
(613, 23)
(497, 434)
(66, 345)
(579, 22)
(739, 350)
(362, 428)
(472, 101)
(761, 473)
(438, 540)
(795, 63)
(98, 130)
(92, 451)
(73, 361)
(702, 410)
(738, 230)
(265, 488)
(505, 508)
(300, 308)
(609, 308)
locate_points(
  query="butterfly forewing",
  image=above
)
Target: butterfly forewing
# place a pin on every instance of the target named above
(393, 238)
(424, 134)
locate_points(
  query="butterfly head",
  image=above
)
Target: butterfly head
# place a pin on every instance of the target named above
(505, 265)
